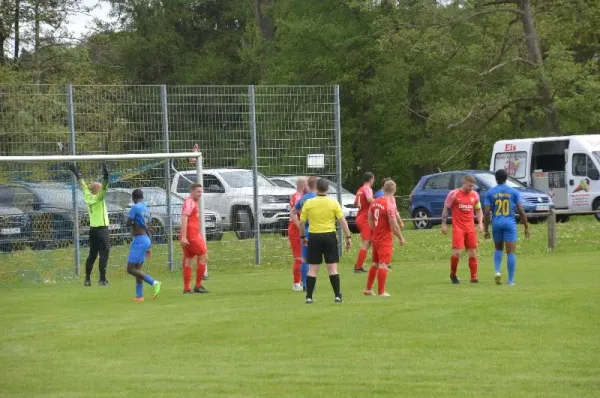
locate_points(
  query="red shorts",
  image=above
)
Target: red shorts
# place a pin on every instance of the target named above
(464, 239)
(363, 226)
(382, 252)
(195, 247)
(295, 244)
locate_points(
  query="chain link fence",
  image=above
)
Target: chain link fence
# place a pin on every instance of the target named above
(254, 139)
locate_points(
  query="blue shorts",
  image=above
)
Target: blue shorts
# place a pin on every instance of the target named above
(138, 249)
(504, 233)
(304, 249)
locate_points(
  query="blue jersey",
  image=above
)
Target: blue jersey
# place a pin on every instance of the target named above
(300, 203)
(378, 194)
(503, 200)
(140, 215)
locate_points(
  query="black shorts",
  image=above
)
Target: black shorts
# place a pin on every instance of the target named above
(323, 246)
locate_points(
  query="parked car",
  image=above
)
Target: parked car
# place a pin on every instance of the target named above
(350, 211)
(50, 207)
(428, 196)
(15, 228)
(230, 192)
(156, 200)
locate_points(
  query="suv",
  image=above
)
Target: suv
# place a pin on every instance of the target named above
(156, 200)
(428, 197)
(350, 211)
(230, 192)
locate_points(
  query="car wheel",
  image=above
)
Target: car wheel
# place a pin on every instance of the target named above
(158, 232)
(243, 224)
(596, 208)
(422, 219)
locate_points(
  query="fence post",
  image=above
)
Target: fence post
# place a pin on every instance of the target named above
(165, 127)
(254, 173)
(552, 230)
(199, 175)
(338, 158)
(71, 127)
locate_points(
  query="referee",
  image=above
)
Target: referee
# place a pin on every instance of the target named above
(99, 236)
(321, 213)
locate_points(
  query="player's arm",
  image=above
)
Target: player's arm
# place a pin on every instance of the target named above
(396, 228)
(400, 221)
(302, 223)
(369, 195)
(479, 214)
(294, 216)
(339, 214)
(447, 206)
(102, 192)
(186, 211)
(371, 220)
(487, 209)
(522, 215)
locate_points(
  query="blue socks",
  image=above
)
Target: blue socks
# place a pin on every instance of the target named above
(304, 273)
(148, 279)
(139, 290)
(512, 265)
(498, 260)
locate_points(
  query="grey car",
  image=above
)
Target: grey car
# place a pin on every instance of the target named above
(156, 200)
(15, 228)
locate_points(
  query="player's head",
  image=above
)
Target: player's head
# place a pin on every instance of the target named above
(312, 183)
(501, 176)
(384, 180)
(389, 187)
(468, 183)
(302, 184)
(322, 186)
(369, 178)
(196, 191)
(95, 188)
(137, 195)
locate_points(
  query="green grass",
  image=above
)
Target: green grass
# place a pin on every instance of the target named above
(253, 336)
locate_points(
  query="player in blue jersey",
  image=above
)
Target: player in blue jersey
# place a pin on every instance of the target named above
(295, 217)
(140, 219)
(380, 193)
(502, 200)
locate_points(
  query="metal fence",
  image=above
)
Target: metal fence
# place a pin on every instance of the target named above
(247, 135)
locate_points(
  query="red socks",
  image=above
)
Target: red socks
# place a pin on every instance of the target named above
(200, 270)
(362, 255)
(381, 278)
(371, 277)
(296, 271)
(187, 278)
(473, 267)
(453, 265)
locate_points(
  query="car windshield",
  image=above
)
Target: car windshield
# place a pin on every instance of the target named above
(243, 179)
(158, 197)
(489, 180)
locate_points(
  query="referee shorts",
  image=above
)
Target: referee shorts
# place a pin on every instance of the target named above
(323, 247)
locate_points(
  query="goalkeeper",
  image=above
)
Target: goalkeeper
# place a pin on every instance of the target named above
(98, 235)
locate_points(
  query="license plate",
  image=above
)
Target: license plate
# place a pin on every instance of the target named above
(112, 227)
(210, 225)
(542, 208)
(10, 231)
(353, 213)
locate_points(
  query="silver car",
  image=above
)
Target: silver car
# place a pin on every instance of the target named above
(156, 200)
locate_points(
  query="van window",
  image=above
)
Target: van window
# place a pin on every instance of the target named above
(514, 163)
(584, 167)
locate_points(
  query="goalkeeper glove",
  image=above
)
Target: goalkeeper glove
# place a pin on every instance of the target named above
(75, 170)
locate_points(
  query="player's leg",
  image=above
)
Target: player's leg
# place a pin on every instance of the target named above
(458, 244)
(510, 238)
(304, 265)
(471, 246)
(137, 254)
(189, 258)
(332, 257)
(498, 236)
(104, 250)
(314, 257)
(372, 271)
(296, 248)
(201, 267)
(385, 258)
(93, 254)
(365, 236)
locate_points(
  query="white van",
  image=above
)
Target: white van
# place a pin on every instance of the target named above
(567, 168)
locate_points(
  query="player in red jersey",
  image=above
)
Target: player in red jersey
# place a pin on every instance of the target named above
(192, 241)
(462, 202)
(294, 233)
(384, 225)
(364, 197)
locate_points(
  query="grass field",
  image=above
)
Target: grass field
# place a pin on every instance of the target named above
(253, 336)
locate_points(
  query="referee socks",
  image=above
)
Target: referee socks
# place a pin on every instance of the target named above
(311, 281)
(335, 284)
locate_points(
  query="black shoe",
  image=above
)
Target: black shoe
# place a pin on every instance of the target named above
(360, 270)
(454, 280)
(205, 278)
(338, 299)
(308, 300)
(87, 283)
(187, 292)
(103, 283)
(200, 289)
(474, 280)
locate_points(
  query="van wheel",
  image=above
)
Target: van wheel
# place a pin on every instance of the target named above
(596, 208)
(243, 224)
(422, 219)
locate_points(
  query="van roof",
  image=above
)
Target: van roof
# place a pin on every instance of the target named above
(594, 137)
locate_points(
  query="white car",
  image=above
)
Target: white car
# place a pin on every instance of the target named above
(350, 211)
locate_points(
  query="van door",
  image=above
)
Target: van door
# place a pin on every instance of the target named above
(584, 180)
(514, 158)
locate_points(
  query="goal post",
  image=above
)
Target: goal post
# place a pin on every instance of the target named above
(30, 187)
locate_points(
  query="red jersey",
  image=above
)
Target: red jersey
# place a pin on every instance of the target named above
(462, 205)
(382, 211)
(293, 199)
(190, 209)
(363, 195)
